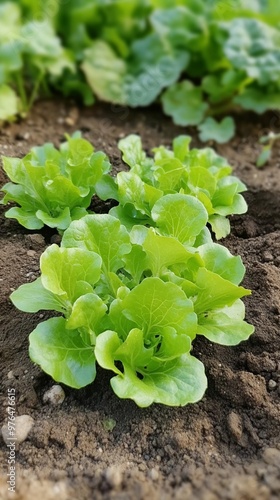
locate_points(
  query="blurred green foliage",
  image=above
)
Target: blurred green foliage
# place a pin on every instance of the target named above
(226, 53)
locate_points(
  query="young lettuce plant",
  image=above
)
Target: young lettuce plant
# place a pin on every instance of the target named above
(134, 302)
(200, 173)
(31, 58)
(268, 142)
(53, 187)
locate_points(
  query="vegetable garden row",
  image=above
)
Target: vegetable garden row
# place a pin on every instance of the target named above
(137, 285)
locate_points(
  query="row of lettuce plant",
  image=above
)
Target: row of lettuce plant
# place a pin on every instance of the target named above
(201, 58)
(135, 287)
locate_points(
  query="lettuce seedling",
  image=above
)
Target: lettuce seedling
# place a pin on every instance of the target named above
(135, 301)
(53, 187)
(268, 143)
(200, 173)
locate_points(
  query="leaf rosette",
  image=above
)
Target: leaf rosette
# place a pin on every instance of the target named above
(53, 187)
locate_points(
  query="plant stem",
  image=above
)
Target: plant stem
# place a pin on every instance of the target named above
(21, 92)
(35, 91)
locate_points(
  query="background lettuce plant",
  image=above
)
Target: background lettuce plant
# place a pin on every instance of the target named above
(201, 59)
(143, 192)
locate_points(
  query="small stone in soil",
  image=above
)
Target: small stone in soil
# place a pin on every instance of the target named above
(277, 260)
(154, 475)
(35, 241)
(113, 477)
(31, 253)
(272, 384)
(23, 425)
(55, 395)
(267, 256)
(271, 456)
(235, 425)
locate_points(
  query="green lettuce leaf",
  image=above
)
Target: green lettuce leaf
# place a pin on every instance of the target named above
(221, 132)
(219, 260)
(102, 234)
(225, 326)
(215, 292)
(69, 272)
(175, 382)
(154, 305)
(184, 102)
(181, 216)
(9, 103)
(104, 72)
(34, 297)
(62, 353)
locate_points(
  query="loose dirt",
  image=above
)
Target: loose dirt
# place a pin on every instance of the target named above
(225, 447)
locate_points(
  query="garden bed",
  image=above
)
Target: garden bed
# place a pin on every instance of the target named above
(224, 447)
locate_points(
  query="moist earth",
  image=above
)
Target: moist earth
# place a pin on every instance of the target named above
(96, 446)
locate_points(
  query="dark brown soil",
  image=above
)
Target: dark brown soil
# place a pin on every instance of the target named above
(225, 447)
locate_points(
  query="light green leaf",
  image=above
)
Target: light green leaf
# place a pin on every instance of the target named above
(181, 216)
(102, 234)
(131, 147)
(26, 219)
(86, 313)
(172, 345)
(225, 326)
(201, 181)
(220, 226)
(14, 169)
(215, 292)
(264, 156)
(106, 345)
(136, 262)
(40, 39)
(69, 272)
(61, 222)
(104, 72)
(153, 305)
(221, 132)
(129, 217)
(33, 297)
(9, 106)
(79, 150)
(10, 16)
(169, 174)
(174, 383)
(163, 251)
(17, 192)
(181, 146)
(62, 353)
(106, 188)
(131, 189)
(86, 168)
(177, 383)
(219, 260)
